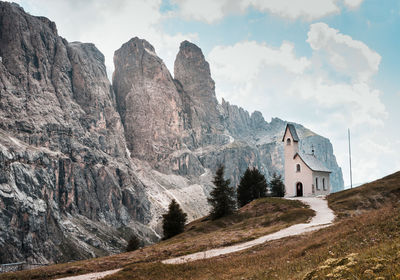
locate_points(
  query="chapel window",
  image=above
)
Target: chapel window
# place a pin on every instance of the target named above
(297, 167)
(316, 183)
(323, 184)
(288, 142)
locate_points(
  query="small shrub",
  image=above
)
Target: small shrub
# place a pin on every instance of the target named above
(133, 244)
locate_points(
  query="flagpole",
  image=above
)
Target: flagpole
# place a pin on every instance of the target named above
(351, 175)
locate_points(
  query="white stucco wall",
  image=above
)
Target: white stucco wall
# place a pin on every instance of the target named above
(305, 176)
(320, 176)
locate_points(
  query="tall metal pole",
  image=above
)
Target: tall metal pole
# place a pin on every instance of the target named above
(351, 175)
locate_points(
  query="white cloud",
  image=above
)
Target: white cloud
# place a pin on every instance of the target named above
(353, 3)
(210, 11)
(357, 103)
(250, 56)
(348, 56)
(206, 10)
(307, 9)
(256, 70)
(110, 24)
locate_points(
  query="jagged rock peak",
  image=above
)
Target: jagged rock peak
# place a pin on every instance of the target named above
(193, 73)
(191, 54)
(14, 9)
(147, 100)
(139, 44)
(190, 62)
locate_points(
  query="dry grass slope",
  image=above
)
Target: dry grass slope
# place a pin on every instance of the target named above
(374, 195)
(260, 217)
(363, 244)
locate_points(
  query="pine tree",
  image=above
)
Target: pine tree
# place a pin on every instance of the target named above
(244, 193)
(252, 185)
(174, 221)
(222, 197)
(277, 186)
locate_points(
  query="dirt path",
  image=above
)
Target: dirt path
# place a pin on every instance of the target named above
(91, 276)
(323, 218)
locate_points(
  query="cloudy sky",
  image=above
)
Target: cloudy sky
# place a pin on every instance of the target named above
(327, 64)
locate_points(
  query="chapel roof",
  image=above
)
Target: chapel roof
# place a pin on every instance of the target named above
(312, 162)
(292, 130)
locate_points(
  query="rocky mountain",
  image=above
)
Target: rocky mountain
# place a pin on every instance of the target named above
(67, 186)
(84, 164)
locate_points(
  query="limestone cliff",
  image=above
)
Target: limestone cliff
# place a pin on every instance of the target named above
(67, 187)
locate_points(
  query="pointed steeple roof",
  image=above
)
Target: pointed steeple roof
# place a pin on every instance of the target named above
(292, 131)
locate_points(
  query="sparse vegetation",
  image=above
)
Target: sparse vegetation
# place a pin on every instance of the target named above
(252, 186)
(277, 186)
(174, 221)
(222, 197)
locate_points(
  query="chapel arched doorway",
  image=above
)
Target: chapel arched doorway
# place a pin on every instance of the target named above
(299, 189)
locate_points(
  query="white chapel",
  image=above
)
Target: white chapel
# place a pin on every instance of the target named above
(305, 175)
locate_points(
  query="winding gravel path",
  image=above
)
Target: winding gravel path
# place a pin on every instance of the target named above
(91, 276)
(324, 217)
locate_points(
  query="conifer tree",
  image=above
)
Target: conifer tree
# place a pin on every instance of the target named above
(252, 185)
(277, 186)
(174, 221)
(222, 198)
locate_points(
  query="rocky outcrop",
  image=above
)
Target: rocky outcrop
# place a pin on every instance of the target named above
(67, 189)
(192, 73)
(84, 164)
(148, 102)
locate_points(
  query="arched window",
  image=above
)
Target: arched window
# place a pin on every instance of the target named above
(297, 167)
(323, 184)
(316, 183)
(288, 142)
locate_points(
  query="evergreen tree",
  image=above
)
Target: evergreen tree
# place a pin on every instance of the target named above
(252, 185)
(222, 197)
(133, 244)
(244, 193)
(174, 221)
(277, 186)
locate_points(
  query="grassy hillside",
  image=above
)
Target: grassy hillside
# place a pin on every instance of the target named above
(260, 217)
(374, 195)
(363, 244)
(366, 247)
